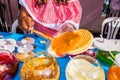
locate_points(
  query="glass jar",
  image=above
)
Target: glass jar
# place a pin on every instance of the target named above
(83, 67)
(41, 67)
(8, 64)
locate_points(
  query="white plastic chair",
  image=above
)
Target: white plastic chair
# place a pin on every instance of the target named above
(113, 25)
(109, 43)
(14, 27)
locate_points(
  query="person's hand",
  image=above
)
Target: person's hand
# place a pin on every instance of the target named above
(26, 23)
(67, 27)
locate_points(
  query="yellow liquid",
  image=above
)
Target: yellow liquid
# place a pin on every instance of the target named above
(80, 69)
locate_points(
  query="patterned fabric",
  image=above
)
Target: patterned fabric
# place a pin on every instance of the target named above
(52, 15)
(115, 4)
(115, 8)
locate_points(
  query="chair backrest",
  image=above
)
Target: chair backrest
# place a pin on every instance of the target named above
(14, 27)
(113, 25)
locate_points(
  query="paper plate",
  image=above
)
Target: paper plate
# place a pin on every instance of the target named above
(84, 43)
(71, 42)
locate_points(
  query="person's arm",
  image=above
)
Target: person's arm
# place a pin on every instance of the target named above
(25, 21)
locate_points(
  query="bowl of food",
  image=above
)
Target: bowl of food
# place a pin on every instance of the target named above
(8, 64)
(84, 67)
(41, 67)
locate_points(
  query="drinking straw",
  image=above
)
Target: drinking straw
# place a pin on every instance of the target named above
(77, 66)
(112, 59)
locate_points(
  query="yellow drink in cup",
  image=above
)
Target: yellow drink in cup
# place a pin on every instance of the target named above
(84, 67)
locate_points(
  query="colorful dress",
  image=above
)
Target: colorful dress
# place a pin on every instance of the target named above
(50, 17)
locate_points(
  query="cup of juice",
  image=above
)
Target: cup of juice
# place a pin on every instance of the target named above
(41, 67)
(114, 73)
(83, 67)
(8, 64)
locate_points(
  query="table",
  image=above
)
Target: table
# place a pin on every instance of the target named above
(42, 47)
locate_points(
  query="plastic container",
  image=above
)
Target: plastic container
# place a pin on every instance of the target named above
(8, 64)
(83, 67)
(114, 73)
(41, 67)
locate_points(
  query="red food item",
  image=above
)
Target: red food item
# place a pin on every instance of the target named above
(88, 53)
(8, 64)
(114, 73)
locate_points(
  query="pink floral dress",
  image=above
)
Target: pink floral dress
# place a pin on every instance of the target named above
(50, 17)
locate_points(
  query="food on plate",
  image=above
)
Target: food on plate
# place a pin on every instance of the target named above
(11, 41)
(9, 47)
(25, 45)
(25, 49)
(42, 67)
(28, 40)
(8, 44)
(82, 67)
(114, 73)
(2, 42)
(8, 64)
(71, 42)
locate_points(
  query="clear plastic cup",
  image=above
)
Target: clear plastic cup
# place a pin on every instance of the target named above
(83, 67)
(8, 64)
(41, 67)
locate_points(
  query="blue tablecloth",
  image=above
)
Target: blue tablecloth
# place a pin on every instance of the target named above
(42, 47)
